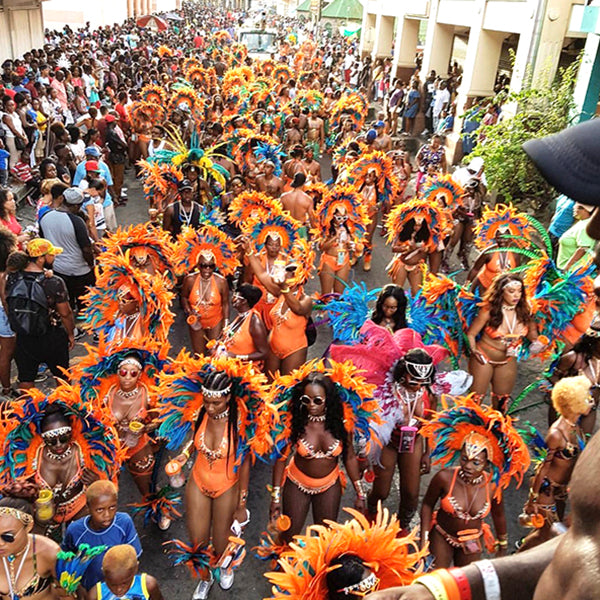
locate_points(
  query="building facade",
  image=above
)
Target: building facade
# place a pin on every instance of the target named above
(21, 27)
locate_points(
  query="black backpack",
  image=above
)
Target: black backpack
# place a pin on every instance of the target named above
(27, 305)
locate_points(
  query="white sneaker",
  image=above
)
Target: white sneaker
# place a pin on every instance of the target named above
(164, 523)
(226, 578)
(202, 589)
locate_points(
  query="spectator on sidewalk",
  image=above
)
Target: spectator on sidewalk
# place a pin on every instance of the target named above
(117, 146)
(47, 336)
(75, 264)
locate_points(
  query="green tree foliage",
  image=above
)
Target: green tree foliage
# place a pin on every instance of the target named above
(541, 111)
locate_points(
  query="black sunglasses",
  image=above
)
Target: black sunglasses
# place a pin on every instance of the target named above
(7, 537)
(61, 439)
(306, 400)
(211, 266)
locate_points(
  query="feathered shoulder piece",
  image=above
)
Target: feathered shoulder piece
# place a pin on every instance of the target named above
(205, 79)
(437, 217)
(393, 558)
(443, 189)
(160, 180)
(340, 153)
(311, 100)
(381, 164)
(353, 106)
(281, 73)
(379, 349)
(138, 240)
(181, 392)
(153, 294)
(303, 256)
(96, 372)
(154, 94)
(186, 98)
(344, 199)
(276, 226)
(464, 422)
(252, 204)
(208, 241)
(91, 429)
(347, 312)
(504, 219)
(236, 78)
(356, 395)
(147, 111)
(264, 152)
(317, 190)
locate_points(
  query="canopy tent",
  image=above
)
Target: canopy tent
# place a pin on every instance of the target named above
(349, 10)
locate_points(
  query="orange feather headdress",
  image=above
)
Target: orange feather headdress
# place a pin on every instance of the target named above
(467, 422)
(393, 559)
(442, 188)
(276, 226)
(437, 217)
(346, 199)
(139, 238)
(502, 218)
(154, 94)
(206, 241)
(252, 204)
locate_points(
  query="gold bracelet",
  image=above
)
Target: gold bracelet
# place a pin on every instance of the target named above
(249, 253)
(186, 453)
(285, 290)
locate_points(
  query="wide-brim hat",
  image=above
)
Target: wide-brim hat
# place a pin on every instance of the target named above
(570, 161)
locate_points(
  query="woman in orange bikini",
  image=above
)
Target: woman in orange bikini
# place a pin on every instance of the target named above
(490, 453)
(504, 321)
(57, 442)
(270, 237)
(315, 433)
(205, 292)
(288, 344)
(341, 224)
(416, 229)
(205, 301)
(217, 400)
(491, 232)
(246, 336)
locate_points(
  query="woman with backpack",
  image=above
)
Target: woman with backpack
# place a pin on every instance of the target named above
(8, 340)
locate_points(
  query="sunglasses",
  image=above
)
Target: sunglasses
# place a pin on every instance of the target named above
(132, 372)
(8, 537)
(317, 400)
(211, 266)
(61, 439)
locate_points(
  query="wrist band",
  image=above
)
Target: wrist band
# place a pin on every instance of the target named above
(434, 585)
(449, 584)
(462, 581)
(491, 583)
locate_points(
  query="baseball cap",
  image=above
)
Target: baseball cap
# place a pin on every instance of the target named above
(92, 165)
(569, 161)
(73, 196)
(41, 247)
(185, 184)
(371, 135)
(380, 124)
(92, 151)
(110, 118)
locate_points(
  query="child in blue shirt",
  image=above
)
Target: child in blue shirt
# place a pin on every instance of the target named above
(103, 527)
(121, 579)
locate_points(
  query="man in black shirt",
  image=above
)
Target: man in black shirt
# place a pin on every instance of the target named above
(51, 347)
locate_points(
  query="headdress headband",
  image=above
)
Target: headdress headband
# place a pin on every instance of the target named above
(130, 360)
(9, 511)
(215, 393)
(368, 584)
(53, 433)
(419, 371)
(475, 443)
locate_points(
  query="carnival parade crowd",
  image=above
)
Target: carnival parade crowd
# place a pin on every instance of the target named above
(243, 217)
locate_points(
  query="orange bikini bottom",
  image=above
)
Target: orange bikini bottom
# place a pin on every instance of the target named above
(312, 485)
(332, 263)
